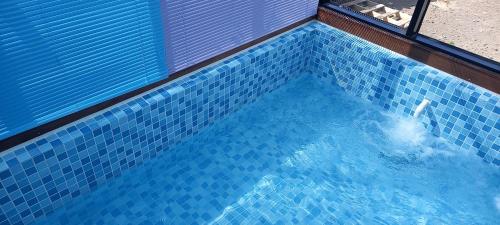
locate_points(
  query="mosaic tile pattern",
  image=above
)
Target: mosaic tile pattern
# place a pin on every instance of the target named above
(280, 161)
(43, 174)
(463, 113)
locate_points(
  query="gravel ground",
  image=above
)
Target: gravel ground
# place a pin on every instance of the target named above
(473, 25)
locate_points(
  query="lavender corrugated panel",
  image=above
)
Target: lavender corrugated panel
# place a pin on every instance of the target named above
(196, 30)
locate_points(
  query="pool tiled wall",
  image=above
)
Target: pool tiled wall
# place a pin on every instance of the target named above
(463, 113)
(43, 174)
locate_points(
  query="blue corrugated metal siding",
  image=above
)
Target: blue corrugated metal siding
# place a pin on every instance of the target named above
(199, 29)
(57, 57)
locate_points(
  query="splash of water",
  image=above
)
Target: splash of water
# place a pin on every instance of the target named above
(408, 132)
(410, 137)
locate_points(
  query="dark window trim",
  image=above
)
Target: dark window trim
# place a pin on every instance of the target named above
(417, 18)
(412, 34)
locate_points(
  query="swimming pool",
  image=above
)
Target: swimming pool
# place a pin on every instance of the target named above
(306, 153)
(315, 130)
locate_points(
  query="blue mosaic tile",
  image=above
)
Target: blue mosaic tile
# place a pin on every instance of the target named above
(278, 161)
(43, 174)
(463, 113)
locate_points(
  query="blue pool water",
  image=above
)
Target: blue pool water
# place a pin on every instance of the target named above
(306, 153)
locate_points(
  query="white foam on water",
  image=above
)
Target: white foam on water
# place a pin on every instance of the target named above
(403, 137)
(409, 136)
(406, 132)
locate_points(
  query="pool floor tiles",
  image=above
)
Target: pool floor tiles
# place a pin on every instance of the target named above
(303, 154)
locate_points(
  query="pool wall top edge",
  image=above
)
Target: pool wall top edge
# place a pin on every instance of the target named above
(44, 173)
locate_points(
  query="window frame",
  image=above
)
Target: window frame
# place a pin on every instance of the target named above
(412, 33)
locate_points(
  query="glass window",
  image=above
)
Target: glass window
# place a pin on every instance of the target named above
(395, 12)
(470, 25)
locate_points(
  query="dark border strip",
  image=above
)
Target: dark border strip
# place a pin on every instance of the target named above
(410, 48)
(455, 52)
(27, 135)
